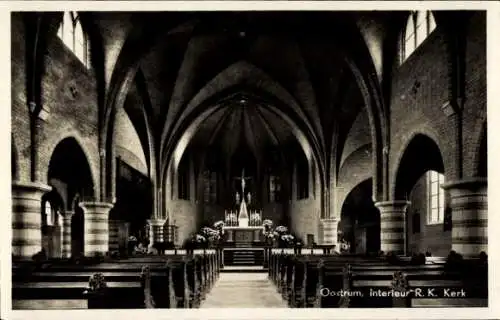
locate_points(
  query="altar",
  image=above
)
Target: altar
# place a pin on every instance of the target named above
(243, 235)
(243, 228)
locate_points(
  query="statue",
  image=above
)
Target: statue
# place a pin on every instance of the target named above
(249, 197)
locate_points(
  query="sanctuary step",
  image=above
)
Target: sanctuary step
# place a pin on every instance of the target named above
(243, 257)
(244, 269)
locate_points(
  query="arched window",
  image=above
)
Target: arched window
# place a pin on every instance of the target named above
(274, 188)
(210, 185)
(48, 214)
(418, 27)
(435, 197)
(71, 33)
(183, 180)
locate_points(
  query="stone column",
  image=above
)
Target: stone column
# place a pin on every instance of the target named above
(156, 231)
(469, 211)
(330, 226)
(66, 237)
(392, 225)
(96, 233)
(27, 218)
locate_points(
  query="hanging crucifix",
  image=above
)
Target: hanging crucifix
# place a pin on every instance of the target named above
(243, 184)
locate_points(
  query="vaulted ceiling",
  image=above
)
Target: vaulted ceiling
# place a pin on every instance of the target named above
(251, 67)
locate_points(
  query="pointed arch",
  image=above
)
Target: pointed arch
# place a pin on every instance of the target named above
(71, 33)
(412, 165)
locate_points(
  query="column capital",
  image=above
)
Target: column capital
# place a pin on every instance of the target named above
(36, 189)
(330, 220)
(67, 214)
(96, 207)
(392, 204)
(156, 222)
(476, 183)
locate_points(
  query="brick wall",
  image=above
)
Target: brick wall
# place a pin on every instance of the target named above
(68, 92)
(420, 111)
(304, 215)
(19, 112)
(474, 114)
(184, 213)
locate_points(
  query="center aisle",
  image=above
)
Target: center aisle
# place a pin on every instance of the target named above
(243, 290)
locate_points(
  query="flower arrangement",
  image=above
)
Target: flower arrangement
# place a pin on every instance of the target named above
(287, 238)
(281, 229)
(210, 234)
(199, 238)
(97, 283)
(267, 223)
(219, 225)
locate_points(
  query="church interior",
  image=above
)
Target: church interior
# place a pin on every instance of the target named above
(160, 158)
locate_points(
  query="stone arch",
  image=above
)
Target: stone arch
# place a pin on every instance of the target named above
(187, 132)
(69, 164)
(141, 123)
(355, 169)
(75, 139)
(360, 219)
(421, 154)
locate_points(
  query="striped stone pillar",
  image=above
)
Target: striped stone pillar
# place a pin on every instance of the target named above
(329, 227)
(27, 218)
(96, 233)
(114, 235)
(469, 212)
(156, 231)
(392, 225)
(66, 230)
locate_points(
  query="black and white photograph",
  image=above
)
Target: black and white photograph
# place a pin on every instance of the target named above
(253, 158)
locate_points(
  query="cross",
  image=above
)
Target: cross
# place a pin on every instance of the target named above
(243, 181)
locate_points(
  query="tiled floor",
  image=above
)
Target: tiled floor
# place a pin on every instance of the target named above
(243, 290)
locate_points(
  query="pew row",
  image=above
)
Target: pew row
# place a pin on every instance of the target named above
(325, 281)
(171, 281)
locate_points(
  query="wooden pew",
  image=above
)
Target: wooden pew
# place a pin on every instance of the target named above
(71, 283)
(413, 286)
(167, 288)
(354, 274)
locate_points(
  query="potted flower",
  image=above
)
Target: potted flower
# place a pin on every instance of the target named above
(287, 240)
(96, 292)
(199, 240)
